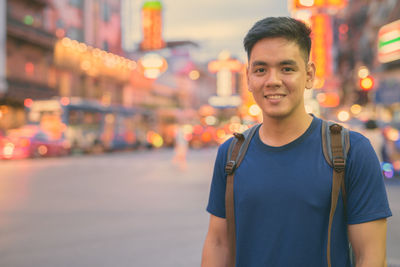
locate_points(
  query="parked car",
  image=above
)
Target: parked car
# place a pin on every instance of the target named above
(2, 136)
(29, 142)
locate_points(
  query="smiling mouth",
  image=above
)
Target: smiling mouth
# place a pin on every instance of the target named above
(274, 96)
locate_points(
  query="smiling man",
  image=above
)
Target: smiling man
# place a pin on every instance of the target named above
(282, 189)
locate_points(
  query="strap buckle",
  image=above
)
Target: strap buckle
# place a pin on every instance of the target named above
(339, 164)
(335, 128)
(230, 167)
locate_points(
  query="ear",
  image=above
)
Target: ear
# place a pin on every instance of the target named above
(248, 81)
(310, 75)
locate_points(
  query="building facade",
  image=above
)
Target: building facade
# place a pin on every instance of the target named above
(357, 41)
(29, 56)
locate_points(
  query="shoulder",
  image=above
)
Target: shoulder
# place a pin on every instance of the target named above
(356, 138)
(362, 154)
(358, 141)
(225, 145)
(223, 150)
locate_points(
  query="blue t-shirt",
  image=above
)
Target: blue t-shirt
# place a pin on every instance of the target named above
(282, 200)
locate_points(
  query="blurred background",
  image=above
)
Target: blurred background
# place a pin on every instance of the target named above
(111, 112)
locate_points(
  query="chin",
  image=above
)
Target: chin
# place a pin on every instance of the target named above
(277, 114)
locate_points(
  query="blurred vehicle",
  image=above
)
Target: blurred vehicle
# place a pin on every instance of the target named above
(90, 126)
(126, 128)
(80, 121)
(30, 142)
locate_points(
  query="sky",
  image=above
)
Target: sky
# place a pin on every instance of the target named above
(215, 25)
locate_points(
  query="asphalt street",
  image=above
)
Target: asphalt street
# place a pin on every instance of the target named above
(119, 209)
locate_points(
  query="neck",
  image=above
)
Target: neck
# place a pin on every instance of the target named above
(279, 132)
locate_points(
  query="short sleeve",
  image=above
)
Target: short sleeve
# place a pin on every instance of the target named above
(366, 192)
(216, 202)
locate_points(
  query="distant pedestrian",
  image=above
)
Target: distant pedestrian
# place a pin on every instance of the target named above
(181, 148)
(375, 136)
(282, 189)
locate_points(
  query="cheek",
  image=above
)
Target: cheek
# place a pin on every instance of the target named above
(255, 83)
(295, 82)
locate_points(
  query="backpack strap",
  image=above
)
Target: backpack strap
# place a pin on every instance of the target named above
(336, 144)
(327, 147)
(248, 135)
(237, 150)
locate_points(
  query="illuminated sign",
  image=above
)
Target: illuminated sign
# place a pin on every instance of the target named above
(298, 4)
(152, 26)
(153, 65)
(322, 44)
(230, 64)
(224, 67)
(92, 61)
(389, 42)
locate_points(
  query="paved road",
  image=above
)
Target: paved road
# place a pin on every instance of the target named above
(121, 209)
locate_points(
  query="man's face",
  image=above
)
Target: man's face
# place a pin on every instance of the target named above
(277, 76)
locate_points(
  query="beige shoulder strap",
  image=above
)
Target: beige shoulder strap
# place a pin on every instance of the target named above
(338, 178)
(229, 199)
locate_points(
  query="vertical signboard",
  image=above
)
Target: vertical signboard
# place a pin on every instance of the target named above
(152, 26)
(322, 43)
(389, 42)
(224, 67)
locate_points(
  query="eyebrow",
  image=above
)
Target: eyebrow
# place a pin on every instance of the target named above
(288, 62)
(282, 63)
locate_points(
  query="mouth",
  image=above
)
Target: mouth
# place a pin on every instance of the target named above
(276, 96)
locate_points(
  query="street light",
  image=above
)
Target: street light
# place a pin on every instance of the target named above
(367, 83)
(153, 65)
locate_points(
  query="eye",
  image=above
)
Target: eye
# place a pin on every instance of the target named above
(287, 69)
(259, 70)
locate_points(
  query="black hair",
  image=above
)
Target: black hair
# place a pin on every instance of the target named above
(371, 124)
(285, 27)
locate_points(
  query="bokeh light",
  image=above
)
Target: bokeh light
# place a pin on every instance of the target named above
(388, 170)
(396, 165)
(343, 115)
(392, 134)
(363, 72)
(367, 83)
(254, 110)
(155, 139)
(308, 3)
(194, 75)
(356, 109)
(211, 120)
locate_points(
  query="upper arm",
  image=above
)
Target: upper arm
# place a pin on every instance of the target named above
(369, 241)
(217, 231)
(366, 193)
(215, 250)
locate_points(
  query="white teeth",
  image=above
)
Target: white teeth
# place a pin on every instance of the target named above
(274, 96)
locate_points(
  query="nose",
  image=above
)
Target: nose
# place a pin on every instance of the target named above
(273, 79)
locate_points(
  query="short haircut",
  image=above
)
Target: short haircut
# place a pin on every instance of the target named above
(285, 27)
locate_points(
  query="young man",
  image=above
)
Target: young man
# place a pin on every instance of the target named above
(282, 188)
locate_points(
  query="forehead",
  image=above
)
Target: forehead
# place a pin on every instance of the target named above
(276, 49)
